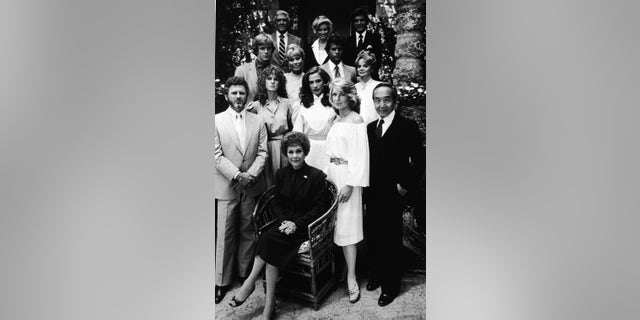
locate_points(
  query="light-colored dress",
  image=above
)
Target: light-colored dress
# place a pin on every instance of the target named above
(276, 115)
(348, 141)
(315, 122)
(294, 82)
(365, 92)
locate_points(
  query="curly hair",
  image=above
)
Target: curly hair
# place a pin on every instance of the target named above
(294, 50)
(262, 94)
(349, 89)
(235, 81)
(294, 138)
(306, 96)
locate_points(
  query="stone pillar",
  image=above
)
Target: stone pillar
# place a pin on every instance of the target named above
(410, 42)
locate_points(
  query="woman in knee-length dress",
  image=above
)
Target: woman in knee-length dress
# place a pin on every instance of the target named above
(316, 114)
(300, 197)
(276, 112)
(348, 152)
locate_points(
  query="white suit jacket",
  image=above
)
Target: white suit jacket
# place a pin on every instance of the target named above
(230, 158)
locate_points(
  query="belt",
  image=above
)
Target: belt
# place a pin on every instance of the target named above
(338, 161)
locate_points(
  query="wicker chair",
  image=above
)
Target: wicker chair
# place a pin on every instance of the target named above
(312, 275)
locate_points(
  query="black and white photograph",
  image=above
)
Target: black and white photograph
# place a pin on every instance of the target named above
(320, 159)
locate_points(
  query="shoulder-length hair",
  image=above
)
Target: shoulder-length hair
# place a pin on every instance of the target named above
(262, 95)
(306, 96)
(262, 39)
(349, 89)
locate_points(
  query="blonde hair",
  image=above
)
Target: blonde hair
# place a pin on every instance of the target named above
(347, 88)
(320, 20)
(293, 50)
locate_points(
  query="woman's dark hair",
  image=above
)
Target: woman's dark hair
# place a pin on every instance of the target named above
(295, 138)
(306, 96)
(349, 89)
(262, 95)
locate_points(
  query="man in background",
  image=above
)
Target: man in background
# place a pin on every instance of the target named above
(282, 38)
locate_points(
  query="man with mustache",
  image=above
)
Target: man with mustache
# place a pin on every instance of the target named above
(240, 141)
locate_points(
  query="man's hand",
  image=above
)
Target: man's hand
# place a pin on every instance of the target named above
(245, 180)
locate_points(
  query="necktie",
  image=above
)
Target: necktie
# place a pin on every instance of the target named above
(337, 73)
(360, 41)
(241, 131)
(281, 47)
(379, 128)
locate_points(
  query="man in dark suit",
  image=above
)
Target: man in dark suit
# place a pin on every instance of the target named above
(282, 39)
(334, 67)
(396, 160)
(362, 38)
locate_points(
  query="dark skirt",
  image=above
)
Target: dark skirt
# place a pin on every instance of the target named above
(279, 249)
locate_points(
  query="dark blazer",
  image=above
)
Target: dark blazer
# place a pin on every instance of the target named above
(310, 59)
(397, 157)
(371, 41)
(304, 201)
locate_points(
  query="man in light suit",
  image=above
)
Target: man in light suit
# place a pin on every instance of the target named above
(240, 152)
(362, 38)
(282, 39)
(263, 49)
(334, 67)
(396, 162)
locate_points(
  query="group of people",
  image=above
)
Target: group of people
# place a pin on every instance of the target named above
(292, 129)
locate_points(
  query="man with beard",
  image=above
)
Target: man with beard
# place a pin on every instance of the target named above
(240, 142)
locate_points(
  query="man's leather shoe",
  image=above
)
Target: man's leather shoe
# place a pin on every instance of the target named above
(373, 284)
(385, 299)
(220, 292)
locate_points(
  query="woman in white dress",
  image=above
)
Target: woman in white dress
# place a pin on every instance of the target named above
(316, 54)
(316, 114)
(365, 66)
(348, 152)
(275, 109)
(295, 56)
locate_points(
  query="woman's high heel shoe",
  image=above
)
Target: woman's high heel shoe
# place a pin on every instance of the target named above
(354, 295)
(236, 303)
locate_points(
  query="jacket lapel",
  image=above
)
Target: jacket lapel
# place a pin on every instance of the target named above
(227, 126)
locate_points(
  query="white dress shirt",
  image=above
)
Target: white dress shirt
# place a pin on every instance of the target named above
(320, 54)
(387, 121)
(332, 67)
(286, 42)
(239, 123)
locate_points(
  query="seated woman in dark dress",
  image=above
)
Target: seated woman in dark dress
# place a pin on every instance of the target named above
(300, 198)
